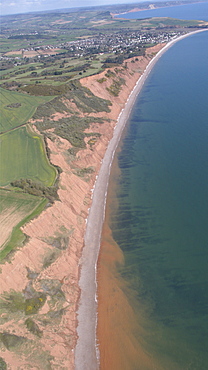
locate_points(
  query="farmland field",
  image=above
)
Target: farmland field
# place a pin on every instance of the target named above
(22, 155)
(17, 109)
(15, 209)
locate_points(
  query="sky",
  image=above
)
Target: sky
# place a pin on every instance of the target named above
(24, 6)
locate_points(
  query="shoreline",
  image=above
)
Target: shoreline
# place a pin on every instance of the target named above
(53, 254)
(50, 259)
(86, 350)
(137, 10)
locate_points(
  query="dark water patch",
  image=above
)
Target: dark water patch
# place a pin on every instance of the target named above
(160, 221)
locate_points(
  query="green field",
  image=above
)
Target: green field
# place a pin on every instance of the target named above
(149, 23)
(22, 155)
(17, 109)
(15, 209)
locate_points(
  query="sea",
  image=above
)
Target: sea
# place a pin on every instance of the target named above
(157, 214)
(197, 11)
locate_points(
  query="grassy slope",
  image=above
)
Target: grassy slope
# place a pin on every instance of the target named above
(20, 208)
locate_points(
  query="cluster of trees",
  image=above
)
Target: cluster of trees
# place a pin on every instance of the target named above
(35, 188)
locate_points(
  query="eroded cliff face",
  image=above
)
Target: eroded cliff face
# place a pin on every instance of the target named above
(39, 286)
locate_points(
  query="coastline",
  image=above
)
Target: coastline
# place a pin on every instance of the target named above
(151, 7)
(49, 262)
(64, 223)
(124, 318)
(86, 352)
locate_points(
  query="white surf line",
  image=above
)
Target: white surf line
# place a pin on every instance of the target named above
(87, 351)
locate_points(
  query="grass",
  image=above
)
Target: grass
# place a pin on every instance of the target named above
(25, 207)
(37, 189)
(16, 302)
(22, 155)
(3, 365)
(32, 305)
(50, 257)
(141, 24)
(85, 171)
(44, 89)
(71, 128)
(33, 327)
(12, 117)
(30, 77)
(10, 45)
(12, 302)
(115, 87)
(11, 341)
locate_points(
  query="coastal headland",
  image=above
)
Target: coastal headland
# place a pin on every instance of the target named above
(64, 291)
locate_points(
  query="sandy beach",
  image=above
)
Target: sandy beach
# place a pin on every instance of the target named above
(87, 352)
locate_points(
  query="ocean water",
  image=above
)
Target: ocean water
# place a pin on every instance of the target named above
(197, 11)
(160, 221)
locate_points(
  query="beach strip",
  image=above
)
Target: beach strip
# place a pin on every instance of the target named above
(86, 351)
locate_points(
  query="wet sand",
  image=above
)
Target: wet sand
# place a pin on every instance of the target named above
(87, 353)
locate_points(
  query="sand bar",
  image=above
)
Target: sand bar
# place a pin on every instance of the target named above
(86, 351)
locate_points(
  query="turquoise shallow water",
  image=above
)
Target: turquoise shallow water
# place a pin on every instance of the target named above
(161, 223)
